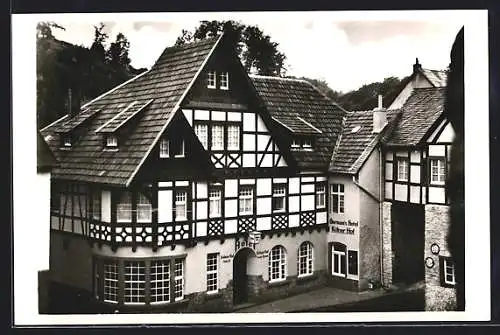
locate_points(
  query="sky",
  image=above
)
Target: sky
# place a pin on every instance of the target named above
(347, 51)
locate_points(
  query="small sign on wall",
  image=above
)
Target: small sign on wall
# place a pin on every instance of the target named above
(343, 227)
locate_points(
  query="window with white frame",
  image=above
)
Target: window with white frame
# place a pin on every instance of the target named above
(447, 272)
(215, 202)
(224, 80)
(124, 208)
(67, 141)
(160, 281)
(96, 204)
(110, 291)
(305, 259)
(201, 130)
(233, 137)
(339, 260)
(246, 200)
(179, 279)
(144, 208)
(438, 172)
(179, 150)
(111, 141)
(164, 148)
(217, 137)
(337, 198)
(320, 196)
(278, 202)
(180, 205)
(402, 169)
(212, 273)
(211, 79)
(307, 143)
(277, 264)
(135, 282)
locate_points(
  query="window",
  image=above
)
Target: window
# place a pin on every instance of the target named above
(180, 205)
(246, 200)
(111, 141)
(212, 270)
(160, 281)
(67, 141)
(96, 205)
(279, 192)
(277, 264)
(215, 202)
(164, 148)
(352, 262)
(135, 282)
(447, 269)
(339, 260)
(320, 196)
(144, 208)
(201, 130)
(179, 279)
(217, 137)
(211, 78)
(110, 281)
(124, 208)
(438, 174)
(402, 169)
(305, 259)
(307, 143)
(179, 149)
(337, 198)
(233, 137)
(295, 143)
(224, 81)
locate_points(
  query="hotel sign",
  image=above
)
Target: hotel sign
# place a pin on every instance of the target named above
(343, 227)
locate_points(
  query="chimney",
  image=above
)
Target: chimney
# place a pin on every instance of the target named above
(379, 116)
(417, 66)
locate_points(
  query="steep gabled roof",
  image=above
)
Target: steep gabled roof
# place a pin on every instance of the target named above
(437, 78)
(419, 113)
(166, 83)
(302, 109)
(357, 141)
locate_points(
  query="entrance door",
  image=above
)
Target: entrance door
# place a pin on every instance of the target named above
(240, 279)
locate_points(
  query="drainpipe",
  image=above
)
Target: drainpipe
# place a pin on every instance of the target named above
(381, 214)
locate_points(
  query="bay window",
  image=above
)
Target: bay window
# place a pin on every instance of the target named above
(96, 205)
(144, 208)
(135, 282)
(160, 281)
(124, 208)
(179, 279)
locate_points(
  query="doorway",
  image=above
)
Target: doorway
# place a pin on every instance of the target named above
(240, 275)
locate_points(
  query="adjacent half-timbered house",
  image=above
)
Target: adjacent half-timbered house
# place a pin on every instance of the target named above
(416, 204)
(193, 186)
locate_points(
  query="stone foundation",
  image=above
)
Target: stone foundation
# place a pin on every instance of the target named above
(387, 244)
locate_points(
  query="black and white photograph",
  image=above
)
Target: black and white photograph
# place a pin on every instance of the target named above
(230, 167)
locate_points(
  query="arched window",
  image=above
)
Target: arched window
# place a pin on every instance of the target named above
(277, 264)
(305, 259)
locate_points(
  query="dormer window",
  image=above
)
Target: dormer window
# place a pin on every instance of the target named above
(164, 148)
(307, 143)
(111, 141)
(295, 143)
(211, 80)
(67, 141)
(302, 143)
(224, 81)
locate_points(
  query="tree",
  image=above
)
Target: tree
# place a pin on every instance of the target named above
(44, 29)
(97, 48)
(256, 50)
(324, 88)
(117, 54)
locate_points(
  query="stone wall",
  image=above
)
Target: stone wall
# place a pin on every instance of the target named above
(387, 241)
(437, 297)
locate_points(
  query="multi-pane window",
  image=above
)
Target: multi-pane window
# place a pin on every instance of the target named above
(307, 143)
(352, 262)
(111, 141)
(144, 208)
(339, 260)
(224, 81)
(160, 281)
(438, 174)
(277, 264)
(402, 169)
(337, 198)
(135, 282)
(305, 259)
(279, 192)
(96, 205)
(296, 143)
(217, 137)
(211, 79)
(164, 148)
(320, 196)
(110, 281)
(233, 137)
(448, 271)
(212, 271)
(180, 205)
(246, 200)
(201, 130)
(215, 202)
(124, 208)
(179, 279)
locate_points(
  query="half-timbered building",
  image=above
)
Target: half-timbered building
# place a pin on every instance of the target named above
(416, 204)
(193, 186)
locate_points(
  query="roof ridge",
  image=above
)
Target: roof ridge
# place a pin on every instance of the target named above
(277, 78)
